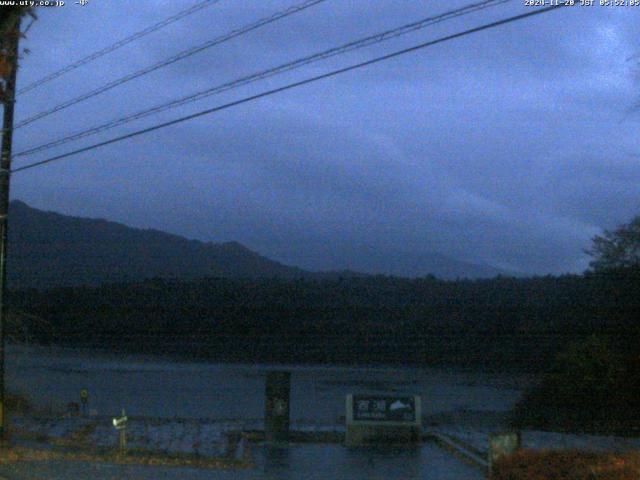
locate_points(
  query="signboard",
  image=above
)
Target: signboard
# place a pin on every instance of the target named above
(386, 419)
(120, 423)
(384, 409)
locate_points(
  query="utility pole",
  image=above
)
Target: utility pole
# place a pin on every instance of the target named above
(10, 40)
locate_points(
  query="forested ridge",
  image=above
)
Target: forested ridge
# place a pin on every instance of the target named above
(505, 322)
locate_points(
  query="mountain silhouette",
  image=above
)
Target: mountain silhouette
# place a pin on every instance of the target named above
(48, 249)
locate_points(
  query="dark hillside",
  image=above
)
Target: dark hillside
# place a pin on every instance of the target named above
(47, 249)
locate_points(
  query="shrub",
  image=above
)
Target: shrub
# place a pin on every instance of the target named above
(586, 391)
(17, 403)
(567, 465)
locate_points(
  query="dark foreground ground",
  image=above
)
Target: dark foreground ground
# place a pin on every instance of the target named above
(295, 461)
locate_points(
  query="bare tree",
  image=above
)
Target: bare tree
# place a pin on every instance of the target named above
(619, 248)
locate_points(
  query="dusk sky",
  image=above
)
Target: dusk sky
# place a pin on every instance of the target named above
(510, 147)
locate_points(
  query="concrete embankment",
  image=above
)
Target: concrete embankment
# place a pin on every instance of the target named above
(206, 443)
(460, 449)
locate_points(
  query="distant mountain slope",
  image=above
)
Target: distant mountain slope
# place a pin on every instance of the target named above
(411, 264)
(47, 249)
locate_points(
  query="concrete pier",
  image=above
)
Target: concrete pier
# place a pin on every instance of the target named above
(277, 406)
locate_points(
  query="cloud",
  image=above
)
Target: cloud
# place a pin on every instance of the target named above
(511, 147)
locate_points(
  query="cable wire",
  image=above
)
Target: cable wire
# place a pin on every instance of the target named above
(290, 86)
(119, 44)
(180, 56)
(348, 47)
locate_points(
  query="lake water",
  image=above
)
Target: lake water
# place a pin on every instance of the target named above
(233, 395)
(156, 387)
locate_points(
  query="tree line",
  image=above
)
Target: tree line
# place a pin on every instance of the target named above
(356, 319)
(505, 322)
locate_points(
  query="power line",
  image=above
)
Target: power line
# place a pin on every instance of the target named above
(180, 56)
(290, 86)
(119, 44)
(348, 47)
